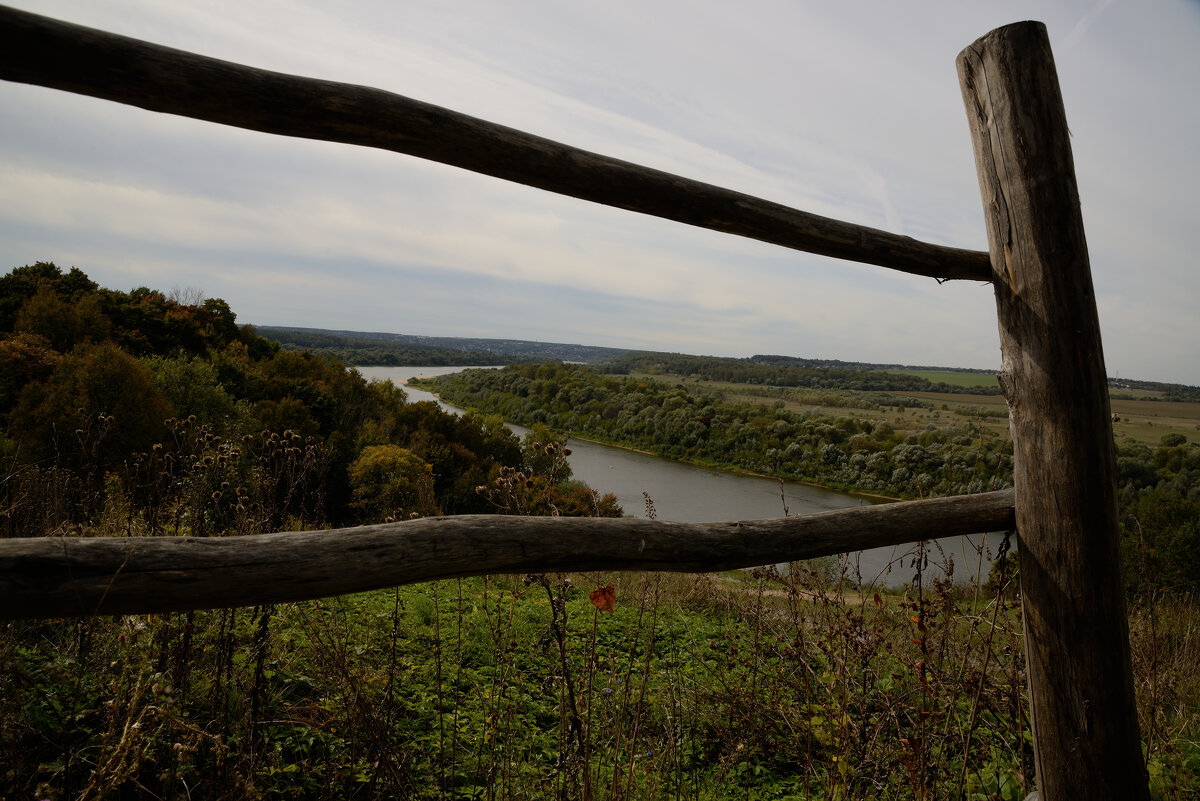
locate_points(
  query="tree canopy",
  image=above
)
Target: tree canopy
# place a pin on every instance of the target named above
(165, 405)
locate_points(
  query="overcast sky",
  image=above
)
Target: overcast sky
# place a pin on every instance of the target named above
(850, 109)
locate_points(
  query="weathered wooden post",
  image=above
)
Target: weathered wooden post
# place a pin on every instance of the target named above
(1085, 724)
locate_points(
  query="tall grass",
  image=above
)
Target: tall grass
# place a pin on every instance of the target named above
(765, 686)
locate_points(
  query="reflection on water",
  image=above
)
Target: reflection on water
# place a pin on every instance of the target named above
(691, 494)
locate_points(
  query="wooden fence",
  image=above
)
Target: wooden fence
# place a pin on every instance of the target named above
(1063, 505)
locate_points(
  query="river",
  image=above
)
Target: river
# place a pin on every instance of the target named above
(691, 494)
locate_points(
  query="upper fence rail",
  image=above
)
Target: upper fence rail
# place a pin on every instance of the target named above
(47, 52)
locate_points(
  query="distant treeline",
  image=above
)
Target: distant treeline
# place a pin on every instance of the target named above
(782, 371)
(510, 350)
(1170, 392)
(776, 360)
(358, 351)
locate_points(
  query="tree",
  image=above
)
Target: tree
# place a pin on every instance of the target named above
(190, 385)
(220, 323)
(63, 324)
(25, 359)
(99, 406)
(576, 499)
(1160, 536)
(391, 482)
(24, 282)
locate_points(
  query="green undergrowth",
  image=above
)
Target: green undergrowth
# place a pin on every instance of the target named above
(769, 685)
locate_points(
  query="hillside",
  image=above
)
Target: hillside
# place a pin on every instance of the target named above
(370, 347)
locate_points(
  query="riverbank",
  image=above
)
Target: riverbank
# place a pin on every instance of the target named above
(740, 471)
(934, 453)
(683, 491)
(426, 385)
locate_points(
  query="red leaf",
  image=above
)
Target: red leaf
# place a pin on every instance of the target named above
(604, 598)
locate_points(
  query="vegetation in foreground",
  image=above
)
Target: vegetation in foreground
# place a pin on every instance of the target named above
(788, 686)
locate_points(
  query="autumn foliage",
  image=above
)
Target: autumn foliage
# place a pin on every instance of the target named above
(95, 383)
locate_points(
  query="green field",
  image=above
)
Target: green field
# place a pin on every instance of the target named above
(1138, 421)
(955, 378)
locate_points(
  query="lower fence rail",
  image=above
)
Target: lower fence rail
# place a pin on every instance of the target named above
(45, 577)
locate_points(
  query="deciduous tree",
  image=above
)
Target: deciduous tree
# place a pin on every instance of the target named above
(391, 482)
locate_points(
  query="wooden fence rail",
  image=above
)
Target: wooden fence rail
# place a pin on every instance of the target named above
(1087, 740)
(47, 52)
(58, 576)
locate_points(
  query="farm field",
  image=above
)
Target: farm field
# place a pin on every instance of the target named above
(1140, 421)
(1147, 421)
(982, 410)
(938, 408)
(955, 378)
